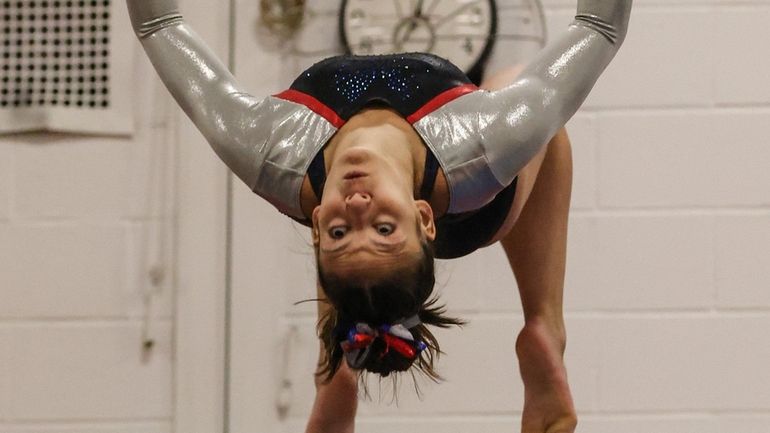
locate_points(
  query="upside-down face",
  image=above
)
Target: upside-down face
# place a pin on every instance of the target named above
(368, 221)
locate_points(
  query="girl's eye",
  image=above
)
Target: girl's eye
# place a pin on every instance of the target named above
(385, 229)
(338, 232)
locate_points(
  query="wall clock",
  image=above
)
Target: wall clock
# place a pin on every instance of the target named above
(330, 27)
(461, 31)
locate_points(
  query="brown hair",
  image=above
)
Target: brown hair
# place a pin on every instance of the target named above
(395, 297)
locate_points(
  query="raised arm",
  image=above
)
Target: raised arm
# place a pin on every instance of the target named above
(265, 142)
(234, 123)
(517, 121)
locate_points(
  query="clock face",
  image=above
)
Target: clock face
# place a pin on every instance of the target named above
(458, 30)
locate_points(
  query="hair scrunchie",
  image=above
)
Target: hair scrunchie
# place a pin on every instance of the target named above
(397, 337)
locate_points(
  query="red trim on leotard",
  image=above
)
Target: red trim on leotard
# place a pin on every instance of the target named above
(441, 99)
(314, 105)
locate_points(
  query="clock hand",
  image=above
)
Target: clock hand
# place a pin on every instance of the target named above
(418, 9)
(399, 12)
(455, 13)
(411, 25)
(417, 14)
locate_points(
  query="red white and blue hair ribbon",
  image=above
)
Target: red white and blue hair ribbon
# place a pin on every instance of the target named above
(397, 337)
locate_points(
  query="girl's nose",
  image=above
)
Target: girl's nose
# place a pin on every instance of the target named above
(358, 201)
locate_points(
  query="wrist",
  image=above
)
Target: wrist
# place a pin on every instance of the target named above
(316, 425)
(336, 402)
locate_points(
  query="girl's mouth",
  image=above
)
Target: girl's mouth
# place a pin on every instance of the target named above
(354, 175)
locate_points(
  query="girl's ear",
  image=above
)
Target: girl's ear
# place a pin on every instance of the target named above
(425, 219)
(316, 233)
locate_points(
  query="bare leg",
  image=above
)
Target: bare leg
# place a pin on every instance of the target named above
(536, 249)
(334, 409)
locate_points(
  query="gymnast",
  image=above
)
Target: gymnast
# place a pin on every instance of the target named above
(393, 161)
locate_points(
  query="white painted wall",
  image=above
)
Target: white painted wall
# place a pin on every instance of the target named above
(669, 259)
(82, 221)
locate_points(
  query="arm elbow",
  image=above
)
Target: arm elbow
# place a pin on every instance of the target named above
(149, 17)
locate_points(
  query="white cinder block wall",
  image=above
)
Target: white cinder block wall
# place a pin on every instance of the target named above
(667, 294)
(83, 220)
(668, 285)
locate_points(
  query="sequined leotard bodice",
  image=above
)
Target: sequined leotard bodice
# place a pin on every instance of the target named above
(481, 139)
(413, 85)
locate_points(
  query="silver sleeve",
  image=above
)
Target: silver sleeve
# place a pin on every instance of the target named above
(235, 124)
(515, 122)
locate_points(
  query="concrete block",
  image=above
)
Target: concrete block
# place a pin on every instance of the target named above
(661, 160)
(739, 144)
(6, 179)
(747, 422)
(5, 375)
(674, 423)
(134, 427)
(683, 159)
(648, 73)
(741, 75)
(58, 176)
(630, 263)
(497, 289)
(583, 361)
(77, 372)
(743, 261)
(62, 271)
(582, 133)
(680, 363)
(458, 282)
